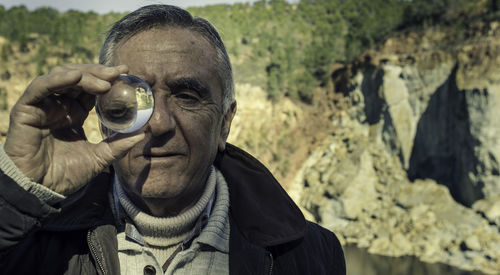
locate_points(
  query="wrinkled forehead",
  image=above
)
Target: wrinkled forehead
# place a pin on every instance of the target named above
(170, 39)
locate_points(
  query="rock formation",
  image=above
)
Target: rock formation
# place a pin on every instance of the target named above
(416, 146)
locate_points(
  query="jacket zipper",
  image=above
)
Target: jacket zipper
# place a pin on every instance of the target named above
(272, 262)
(93, 251)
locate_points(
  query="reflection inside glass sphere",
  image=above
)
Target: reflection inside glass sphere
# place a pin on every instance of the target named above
(127, 106)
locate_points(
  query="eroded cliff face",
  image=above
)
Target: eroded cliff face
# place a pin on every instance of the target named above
(437, 112)
(416, 146)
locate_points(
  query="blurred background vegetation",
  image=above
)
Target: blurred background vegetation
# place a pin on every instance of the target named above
(287, 49)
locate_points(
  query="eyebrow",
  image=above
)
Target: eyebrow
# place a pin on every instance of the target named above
(190, 84)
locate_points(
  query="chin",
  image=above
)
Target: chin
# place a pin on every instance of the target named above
(162, 189)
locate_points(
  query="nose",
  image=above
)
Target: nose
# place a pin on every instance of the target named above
(162, 121)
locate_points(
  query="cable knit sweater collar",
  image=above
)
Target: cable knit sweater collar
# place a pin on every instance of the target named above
(167, 231)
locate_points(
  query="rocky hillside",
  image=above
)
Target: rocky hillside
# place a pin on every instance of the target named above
(412, 167)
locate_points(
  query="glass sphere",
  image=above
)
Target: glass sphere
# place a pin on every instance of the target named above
(127, 106)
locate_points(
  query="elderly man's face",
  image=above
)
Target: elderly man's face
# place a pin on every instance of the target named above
(171, 164)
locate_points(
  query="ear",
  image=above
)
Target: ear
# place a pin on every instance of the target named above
(226, 126)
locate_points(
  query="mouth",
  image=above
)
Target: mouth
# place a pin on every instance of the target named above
(162, 155)
(150, 151)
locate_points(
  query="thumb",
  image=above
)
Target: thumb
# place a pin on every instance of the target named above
(116, 146)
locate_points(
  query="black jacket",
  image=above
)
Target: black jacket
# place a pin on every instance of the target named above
(268, 233)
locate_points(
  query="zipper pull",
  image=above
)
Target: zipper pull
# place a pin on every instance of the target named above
(272, 263)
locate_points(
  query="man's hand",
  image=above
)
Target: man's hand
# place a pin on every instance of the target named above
(46, 139)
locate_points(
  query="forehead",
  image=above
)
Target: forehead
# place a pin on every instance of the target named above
(169, 53)
(165, 38)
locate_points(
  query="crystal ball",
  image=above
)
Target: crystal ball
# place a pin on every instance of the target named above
(127, 106)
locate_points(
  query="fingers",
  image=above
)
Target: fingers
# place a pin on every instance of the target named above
(72, 80)
(64, 97)
(100, 71)
(96, 79)
(115, 147)
(43, 86)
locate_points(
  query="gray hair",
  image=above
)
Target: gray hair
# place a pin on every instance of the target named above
(153, 16)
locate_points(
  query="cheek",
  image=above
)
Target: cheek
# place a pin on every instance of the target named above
(127, 166)
(121, 167)
(201, 131)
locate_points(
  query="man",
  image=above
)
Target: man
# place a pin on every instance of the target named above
(172, 198)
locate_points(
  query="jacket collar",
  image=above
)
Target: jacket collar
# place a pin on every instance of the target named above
(261, 209)
(263, 212)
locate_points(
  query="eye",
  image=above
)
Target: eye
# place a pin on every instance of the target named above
(121, 114)
(187, 96)
(117, 112)
(187, 99)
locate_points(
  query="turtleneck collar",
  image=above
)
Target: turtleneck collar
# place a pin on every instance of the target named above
(165, 231)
